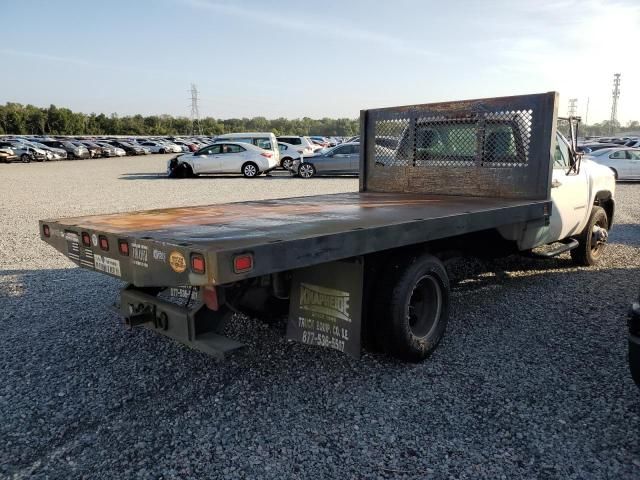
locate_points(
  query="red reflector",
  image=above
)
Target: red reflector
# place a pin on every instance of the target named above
(46, 231)
(104, 243)
(86, 239)
(243, 263)
(210, 298)
(123, 246)
(266, 154)
(197, 263)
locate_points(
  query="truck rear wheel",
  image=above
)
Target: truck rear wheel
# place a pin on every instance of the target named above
(593, 239)
(415, 309)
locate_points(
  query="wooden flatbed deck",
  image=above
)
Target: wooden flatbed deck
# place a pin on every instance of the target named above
(283, 234)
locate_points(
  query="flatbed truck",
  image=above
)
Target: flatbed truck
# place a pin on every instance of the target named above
(488, 175)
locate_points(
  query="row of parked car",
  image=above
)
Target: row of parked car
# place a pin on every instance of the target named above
(622, 155)
(41, 148)
(256, 153)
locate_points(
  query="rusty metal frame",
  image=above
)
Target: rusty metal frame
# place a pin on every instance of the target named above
(482, 179)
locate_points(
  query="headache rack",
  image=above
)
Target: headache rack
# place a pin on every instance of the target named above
(494, 147)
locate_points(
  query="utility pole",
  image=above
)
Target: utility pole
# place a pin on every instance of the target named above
(586, 113)
(614, 101)
(573, 107)
(196, 128)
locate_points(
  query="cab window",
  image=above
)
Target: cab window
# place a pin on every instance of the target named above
(618, 154)
(561, 155)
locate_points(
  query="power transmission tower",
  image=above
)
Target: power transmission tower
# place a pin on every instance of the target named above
(196, 127)
(573, 107)
(614, 101)
(586, 115)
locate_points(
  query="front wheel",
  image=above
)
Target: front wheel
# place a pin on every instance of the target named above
(25, 157)
(286, 163)
(306, 170)
(593, 239)
(414, 308)
(250, 170)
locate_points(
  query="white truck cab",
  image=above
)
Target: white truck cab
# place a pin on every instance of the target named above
(583, 204)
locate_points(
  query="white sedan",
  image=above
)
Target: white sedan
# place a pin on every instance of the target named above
(288, 154)
(157, 147)
(223, 157)
(625, 162)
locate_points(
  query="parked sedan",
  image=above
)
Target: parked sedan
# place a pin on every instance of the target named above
(94, 150)
(117, 151)
(289, 153)
(7, 155)
(57, 153)
(129, 148)
(625, 162)
(223, 157)
(25, 152)
(155, 147)
(341, 160)
(73, 151)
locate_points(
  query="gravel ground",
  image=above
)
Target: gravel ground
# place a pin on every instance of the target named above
(531, 380)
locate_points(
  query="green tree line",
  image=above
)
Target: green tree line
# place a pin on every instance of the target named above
(18, 119)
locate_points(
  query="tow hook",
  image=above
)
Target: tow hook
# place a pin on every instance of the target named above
(599, 235)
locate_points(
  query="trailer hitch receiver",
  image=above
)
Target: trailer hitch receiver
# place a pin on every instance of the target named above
(140, 314)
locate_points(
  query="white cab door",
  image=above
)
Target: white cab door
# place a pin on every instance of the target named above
(569, 196)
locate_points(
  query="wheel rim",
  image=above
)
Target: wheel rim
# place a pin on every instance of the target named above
(599, 236)
(424, 306)
(286, 164)
(306, 171)
(250, 170)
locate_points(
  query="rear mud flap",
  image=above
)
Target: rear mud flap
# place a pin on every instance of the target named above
(197, 326)
(326, 305)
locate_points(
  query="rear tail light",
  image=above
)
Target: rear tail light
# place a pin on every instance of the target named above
(46, 231)
(86, 239)
(197, 263)
(243, 263)
(104, 243)
(266, 154)
(123, 247)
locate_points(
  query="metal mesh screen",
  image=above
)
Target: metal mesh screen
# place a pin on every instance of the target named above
(490, 139)
(389, 134)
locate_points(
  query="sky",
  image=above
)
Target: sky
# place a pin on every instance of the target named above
(293, 58)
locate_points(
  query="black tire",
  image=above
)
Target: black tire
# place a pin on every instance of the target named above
(25, 157)
(634, 361)
(182, 170)
(593, 239)
(162, 150)
(413, 308)
(250, 170)
(286, 163)
(306, 170)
